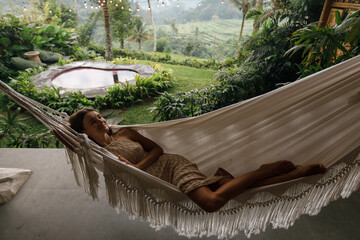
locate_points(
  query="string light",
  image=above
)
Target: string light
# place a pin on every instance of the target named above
(25, 9)
(162, 4)
(116, 5)
(91, 6)
(222, 2)
(122, 7)
(69, 10)
(50, 11)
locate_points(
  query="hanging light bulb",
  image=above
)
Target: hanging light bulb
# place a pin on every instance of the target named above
(69, 10)
(199, 4)
(177, 5)
(222, 2)
(119, 0)
(149, 8)
(50, 11)
(116, 5)
(110, 1)
(162, 4)
(25, 9)
(91, 6)
(122, 7)
(130, 9)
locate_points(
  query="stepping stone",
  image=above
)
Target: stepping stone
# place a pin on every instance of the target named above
(114, 121)
(11, 180)
(108, 112)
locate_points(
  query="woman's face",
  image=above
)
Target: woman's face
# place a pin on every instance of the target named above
(94, 124)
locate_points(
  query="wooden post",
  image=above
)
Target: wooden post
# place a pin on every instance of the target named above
(325, 12)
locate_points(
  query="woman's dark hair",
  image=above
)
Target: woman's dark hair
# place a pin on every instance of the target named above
(76, 119)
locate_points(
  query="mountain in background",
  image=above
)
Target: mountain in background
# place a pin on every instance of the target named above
(188, 10)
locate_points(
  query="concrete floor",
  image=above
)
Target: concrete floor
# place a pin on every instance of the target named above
(51, 206)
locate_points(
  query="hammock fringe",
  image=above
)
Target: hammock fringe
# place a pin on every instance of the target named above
(251, 217)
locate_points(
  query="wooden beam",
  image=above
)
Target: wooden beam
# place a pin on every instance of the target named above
(346, 5)
(325, 12)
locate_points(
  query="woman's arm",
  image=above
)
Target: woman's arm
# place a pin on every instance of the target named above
(153, 149)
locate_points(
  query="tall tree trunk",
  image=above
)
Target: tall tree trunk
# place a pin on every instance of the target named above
(122, 43)
(108, 48)
(153, 24)
(75, 4)
(242, 25)
(76, 11)
(259, 5)
(139, 45)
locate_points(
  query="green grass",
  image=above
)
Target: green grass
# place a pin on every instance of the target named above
(187, 78)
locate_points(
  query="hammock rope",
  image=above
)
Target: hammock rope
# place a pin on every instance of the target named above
(313, 119)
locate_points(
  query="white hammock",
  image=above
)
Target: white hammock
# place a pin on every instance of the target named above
(315, 119)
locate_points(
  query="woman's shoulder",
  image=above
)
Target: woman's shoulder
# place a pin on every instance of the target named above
(125, 133)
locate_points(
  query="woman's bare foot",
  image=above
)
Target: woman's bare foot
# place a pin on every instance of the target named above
(276, 168)
(310, 169)
(298, 172)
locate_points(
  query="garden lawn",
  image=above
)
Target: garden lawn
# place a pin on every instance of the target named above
(187, 78)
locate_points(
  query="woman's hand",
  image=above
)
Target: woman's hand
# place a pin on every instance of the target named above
(125, 161)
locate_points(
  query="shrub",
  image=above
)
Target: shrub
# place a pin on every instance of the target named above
(232, 86)
(118, 96)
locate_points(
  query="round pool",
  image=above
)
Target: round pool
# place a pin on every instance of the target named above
(88, 78)
(91, 78)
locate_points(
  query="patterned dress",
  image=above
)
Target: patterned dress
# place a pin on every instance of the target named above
(172, 168)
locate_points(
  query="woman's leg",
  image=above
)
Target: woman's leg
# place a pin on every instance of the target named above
(213, 200)
(298, 172)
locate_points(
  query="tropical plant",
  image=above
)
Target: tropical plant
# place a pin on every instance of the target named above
(86, 30)
(140, 33)
(243, 6)
(325, 46)
(61, 14)
(122, 21)
(11, 122)
(108, 38)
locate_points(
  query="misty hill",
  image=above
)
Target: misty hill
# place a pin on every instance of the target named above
(187, 11)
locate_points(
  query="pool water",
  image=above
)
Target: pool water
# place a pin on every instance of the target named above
(89, 78)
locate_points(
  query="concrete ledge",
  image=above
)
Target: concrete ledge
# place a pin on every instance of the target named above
(51, 206)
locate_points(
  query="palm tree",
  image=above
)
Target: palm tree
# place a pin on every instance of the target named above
(244, 6)
(153, 24)
(140, 34)
(108, 40)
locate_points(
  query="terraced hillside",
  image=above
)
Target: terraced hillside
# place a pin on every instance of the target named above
(209, 31)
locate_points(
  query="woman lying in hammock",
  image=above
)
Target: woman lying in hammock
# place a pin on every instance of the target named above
(210, 193)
